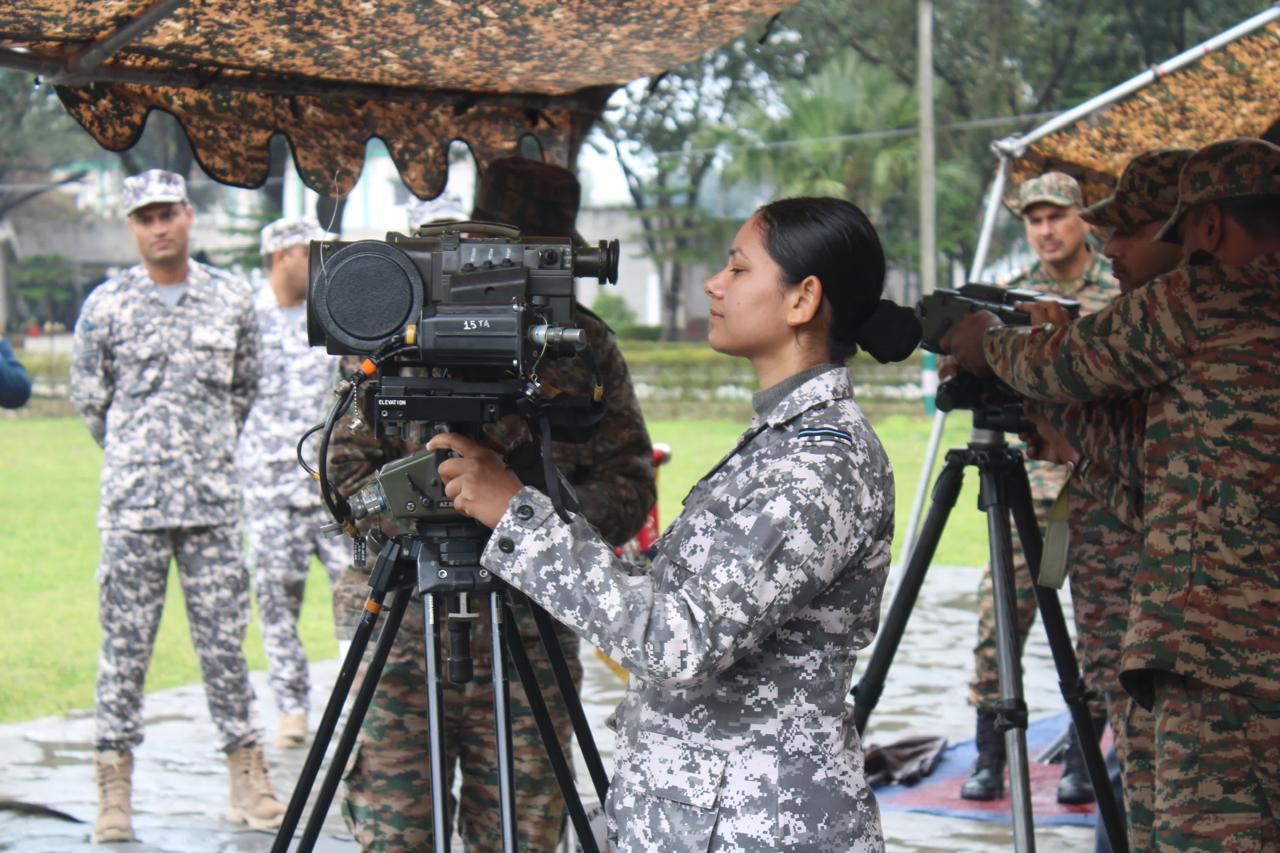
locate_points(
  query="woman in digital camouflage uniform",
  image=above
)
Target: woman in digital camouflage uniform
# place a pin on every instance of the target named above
(740, 635)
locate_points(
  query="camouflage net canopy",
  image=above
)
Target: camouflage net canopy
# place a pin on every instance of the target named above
(1231, 91)
(331, 74)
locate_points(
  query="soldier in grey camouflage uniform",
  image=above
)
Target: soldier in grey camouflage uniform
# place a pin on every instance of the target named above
(1202, 647)
(388, 784)
(282, 508)
(163, 371)
(740, 635)
(1066, 266)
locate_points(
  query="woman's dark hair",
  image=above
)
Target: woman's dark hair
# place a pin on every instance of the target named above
(832, 239)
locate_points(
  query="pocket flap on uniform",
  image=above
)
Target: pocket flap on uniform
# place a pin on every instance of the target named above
(217, 336)
(681, 771)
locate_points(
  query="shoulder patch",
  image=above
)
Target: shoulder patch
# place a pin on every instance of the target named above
(827, 433)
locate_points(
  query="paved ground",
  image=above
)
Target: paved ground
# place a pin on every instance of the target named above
(180, 791)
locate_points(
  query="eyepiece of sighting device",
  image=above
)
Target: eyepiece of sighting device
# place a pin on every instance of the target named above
(601, 262)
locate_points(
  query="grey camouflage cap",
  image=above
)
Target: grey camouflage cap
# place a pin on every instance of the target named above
(154, 186)
(1147, 190)
(1230, 168)
(286, 233)
(447, 205)
(1056, 188)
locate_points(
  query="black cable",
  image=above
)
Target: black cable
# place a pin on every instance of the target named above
(341, 514)
(336, 503)
(301, 459)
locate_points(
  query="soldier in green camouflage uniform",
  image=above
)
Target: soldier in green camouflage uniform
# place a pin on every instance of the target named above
(1202, 648)
(1067, 266)
(388, 795)
(1105, 437)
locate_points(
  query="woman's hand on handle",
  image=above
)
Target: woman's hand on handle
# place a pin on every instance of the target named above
(475, 478)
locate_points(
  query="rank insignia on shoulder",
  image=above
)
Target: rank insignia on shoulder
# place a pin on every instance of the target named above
(827, 432)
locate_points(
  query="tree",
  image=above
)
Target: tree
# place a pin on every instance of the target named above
(1010, 59)
(664, 133)
(36, 137)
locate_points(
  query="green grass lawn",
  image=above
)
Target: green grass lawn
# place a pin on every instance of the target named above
(49, 553)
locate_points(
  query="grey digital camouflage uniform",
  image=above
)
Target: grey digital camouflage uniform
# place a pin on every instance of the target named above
(165, 390)
(740, 636)
(282, 509)
(287, 233)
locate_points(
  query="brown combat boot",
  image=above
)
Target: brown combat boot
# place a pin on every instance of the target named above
(114, 772)
(252, 800)
(292, 731)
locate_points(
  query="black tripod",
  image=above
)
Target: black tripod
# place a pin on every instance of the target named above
(444, 560)
(1004, 489)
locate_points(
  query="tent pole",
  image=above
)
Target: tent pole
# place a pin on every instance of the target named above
(995, 195)
(994, 198)
(1015, 146)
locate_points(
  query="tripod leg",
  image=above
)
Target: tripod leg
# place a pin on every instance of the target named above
(994, 503)
(345, 743)
(867, 691)
(1070, 680)
(435, 728)
(555, 753)
(572, 702)
(502, 720)
(329, 722)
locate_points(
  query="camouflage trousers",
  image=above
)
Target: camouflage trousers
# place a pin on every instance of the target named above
(387, 802)
(132, 577)
(1100, 601)
(281, 542)
(984, 687)
(1135, 750)
(1215, 766)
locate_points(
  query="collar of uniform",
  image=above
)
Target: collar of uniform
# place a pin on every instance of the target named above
(833, 384)
(1095, 271)
(1265, 266)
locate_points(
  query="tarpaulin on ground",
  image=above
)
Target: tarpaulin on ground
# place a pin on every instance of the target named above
(331, 74)
(1233, 90)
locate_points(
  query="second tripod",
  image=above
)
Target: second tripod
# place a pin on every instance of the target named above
(1004, 490)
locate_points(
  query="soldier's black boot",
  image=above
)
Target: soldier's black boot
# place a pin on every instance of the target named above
(986, 780)
(1074, 788)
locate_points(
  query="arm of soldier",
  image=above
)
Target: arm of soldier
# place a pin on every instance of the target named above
(1113, 492)
(763, 563)
(92, 368)
(1106, 437)
(1139, 341)
(1111, 433)
(247, 367)
(619, 489)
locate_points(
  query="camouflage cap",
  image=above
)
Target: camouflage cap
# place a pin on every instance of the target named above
(448, 205)
(538, 198)
(1057, 188)
(286, 233)
(154, 186)
(1147, 190)
(1230, 168)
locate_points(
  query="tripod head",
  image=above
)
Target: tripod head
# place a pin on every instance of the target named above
(995, 406)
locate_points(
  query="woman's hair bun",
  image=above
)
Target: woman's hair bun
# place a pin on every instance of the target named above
(890, 332)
